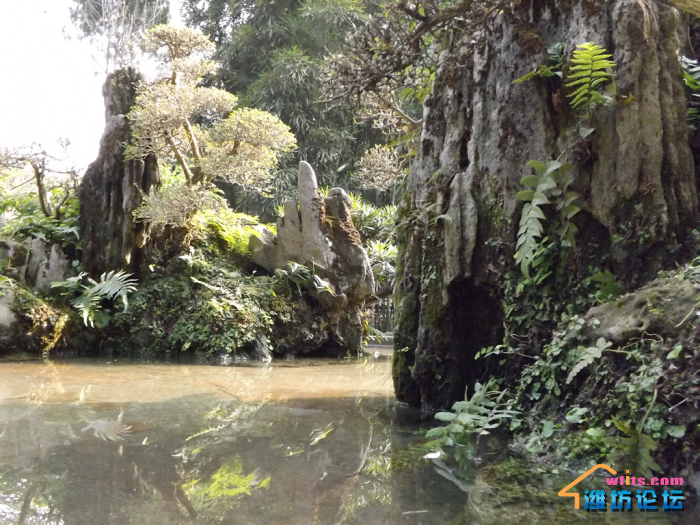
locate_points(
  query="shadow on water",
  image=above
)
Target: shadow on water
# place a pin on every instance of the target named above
(300, 442)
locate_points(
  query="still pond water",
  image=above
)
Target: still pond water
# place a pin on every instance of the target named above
(297, 442)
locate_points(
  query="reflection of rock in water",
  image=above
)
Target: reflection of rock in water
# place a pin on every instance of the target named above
(313, 452)
(86, 479)
(294, 463)
(334, 488)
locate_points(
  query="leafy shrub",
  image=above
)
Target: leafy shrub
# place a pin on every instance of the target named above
(27, 220)
(611, 412)
(553, 67)
(202, 301)
(382, 257)
(374, 224)
(201, 212)
(486, 410)
(233, 228)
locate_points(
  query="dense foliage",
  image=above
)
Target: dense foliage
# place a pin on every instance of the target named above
(567, 396)
(271, 55)
(209, 299)
(37, 203)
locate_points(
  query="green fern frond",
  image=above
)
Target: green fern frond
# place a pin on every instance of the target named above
(87, 304)
(591, 64)
(589, 355)
(633, 451)
(552, 181)
(112, 285)
(530, 230)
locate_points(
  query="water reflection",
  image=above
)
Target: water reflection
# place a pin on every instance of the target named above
(289, 443)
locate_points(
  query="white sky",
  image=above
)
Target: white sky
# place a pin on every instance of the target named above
(49, 88)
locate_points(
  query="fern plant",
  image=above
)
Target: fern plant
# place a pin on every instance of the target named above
(303, 277)
(633, 450)
(587, 357)
(112, 285)
(551, 182)
(592, 69)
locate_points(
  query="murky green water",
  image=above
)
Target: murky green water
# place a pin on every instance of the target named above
(292, 442)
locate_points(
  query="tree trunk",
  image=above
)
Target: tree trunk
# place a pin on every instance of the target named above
(111, 189)
(458, 220)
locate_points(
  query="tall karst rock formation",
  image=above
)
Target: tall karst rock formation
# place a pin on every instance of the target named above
(459, 218)
(112, 187)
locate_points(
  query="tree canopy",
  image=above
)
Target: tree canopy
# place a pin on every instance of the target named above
(240, 145)
(112, 25)
(271, 56)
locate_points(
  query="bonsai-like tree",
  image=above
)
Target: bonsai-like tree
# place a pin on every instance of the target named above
(239, 145)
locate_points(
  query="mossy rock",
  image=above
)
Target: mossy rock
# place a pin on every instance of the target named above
(40, 325)
(13, 259)
(665, 308)
(516, 491)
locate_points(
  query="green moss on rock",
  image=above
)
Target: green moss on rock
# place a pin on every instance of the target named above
(42, 325)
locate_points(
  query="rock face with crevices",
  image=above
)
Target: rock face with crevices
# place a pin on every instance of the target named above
(9, 322)
(36, 264)
(112, 187)
(459, 217)
(300, 237)
(319, 233)
(46, 264)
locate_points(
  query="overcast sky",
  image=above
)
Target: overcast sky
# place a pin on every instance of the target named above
(49, 88)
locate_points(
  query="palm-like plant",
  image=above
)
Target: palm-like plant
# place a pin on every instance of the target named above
(112, 285)
(373, 223)
(382, 257)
